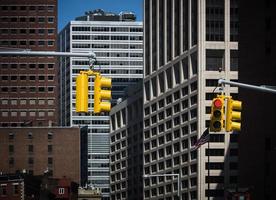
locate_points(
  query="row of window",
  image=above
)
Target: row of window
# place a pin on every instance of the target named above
(27, 89)
(39, 19)
(118, 156)
(26, 65)
(40, 31)
(169, 99)
(27, 113)
(23, 124)
(107, 29)
(40, 8)
(30, 136)
(118, 136)
(175, 135)
(29, 42)
(23, 101)
(167, 79)
(168, 113)
(106, 37)
(15, 190)
(120, 118)
(118, 54)
(112, 63)
(30, 148)
(108, 46)
(168, 190)
(27, 78)
(76, 122)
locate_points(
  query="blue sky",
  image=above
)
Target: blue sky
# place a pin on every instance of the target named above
(69, 9)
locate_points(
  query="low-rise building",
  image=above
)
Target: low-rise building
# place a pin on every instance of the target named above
(57, 151)
(89, 194)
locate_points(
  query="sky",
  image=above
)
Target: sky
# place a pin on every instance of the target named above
(70, 9)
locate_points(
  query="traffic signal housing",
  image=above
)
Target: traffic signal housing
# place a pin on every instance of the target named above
(102, 96)
(82, 93)
(233, 115)
(217, 114)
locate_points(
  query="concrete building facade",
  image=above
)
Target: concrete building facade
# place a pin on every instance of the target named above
(29, 85)
(117, 43)
(188, 46)
(126, 152)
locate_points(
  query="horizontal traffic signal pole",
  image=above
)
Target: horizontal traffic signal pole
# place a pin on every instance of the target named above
(248, 86)
(47, 53)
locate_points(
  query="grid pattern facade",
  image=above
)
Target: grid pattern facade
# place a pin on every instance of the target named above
(29, 85)
(189, 45)
(119, 51)
(126, 152)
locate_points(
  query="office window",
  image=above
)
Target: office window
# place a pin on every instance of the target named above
(214, 20)
(214, 60)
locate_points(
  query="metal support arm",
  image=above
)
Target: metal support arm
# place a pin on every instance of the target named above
(243, 85)
(48, 53)
(90, 55)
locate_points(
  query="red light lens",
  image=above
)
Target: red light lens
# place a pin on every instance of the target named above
(218, 103)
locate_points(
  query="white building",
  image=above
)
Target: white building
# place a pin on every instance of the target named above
(117, 41)
(189, 45)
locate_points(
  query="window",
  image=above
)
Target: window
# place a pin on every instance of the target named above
(15, 189)
(214, 152)
(50, 20)
(11, 148)
(11, 136)
(50, 43)
(50, 136)
(3, 190)
(50, 148)
(214, 60)
(50, 31)
(30, 135)
(23, 102)
(30, 161)
(41, 19)
(31, 148)
(50, 161)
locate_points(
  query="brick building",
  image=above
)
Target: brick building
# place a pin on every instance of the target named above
(28, 85)
(19, 186)
(57, 151)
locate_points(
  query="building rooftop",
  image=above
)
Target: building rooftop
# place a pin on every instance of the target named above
(101, 15)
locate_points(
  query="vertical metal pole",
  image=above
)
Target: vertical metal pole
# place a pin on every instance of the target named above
(208, 168)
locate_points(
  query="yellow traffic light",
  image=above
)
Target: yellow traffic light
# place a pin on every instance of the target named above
(233, 116)
(102, 94)
(217, 114)
(82, 93)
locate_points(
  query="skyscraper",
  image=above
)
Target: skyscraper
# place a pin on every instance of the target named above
(189, 45)
(126, 150)
(29, 85)
(117, 42)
